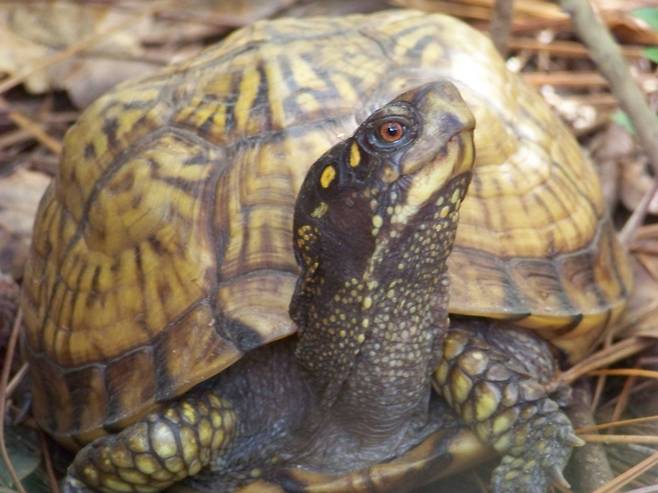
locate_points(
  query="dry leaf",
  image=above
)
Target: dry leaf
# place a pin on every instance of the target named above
(31, 32)
(20, 192)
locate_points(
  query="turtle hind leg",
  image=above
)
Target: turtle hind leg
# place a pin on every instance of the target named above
(161, 449)
(495, 377)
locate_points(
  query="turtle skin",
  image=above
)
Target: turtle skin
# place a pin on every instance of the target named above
(162, 255)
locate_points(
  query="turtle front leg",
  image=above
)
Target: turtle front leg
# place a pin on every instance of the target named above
(163, 448)
(495, 378)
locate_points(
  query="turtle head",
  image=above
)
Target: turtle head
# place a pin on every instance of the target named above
(406, 166)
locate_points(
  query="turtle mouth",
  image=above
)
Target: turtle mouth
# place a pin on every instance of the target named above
(421, 184)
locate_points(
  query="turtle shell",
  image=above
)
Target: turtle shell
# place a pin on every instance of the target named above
(162, 251)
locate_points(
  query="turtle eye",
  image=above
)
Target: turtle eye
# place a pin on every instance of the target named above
(391, 131)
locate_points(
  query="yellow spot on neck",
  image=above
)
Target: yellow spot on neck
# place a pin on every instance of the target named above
(327, 176)
(367, 302)
(355, 155)
(320, 210)
(360, 338)
(377, 221)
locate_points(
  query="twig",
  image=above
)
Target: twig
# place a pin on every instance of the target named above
(615, 424)
(627, 372)
(622, 402)
(606, 54)
(501, 21)
(565, 79)
(565, 49)
(52, 479)
(33, 128)
(16, 379)
(605, 357)
(6, 369)
(590, 438)
(646, 489)
(629, 475)
(627, 233)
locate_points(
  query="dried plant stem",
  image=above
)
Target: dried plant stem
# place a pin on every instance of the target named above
(615, 424)
(606, 54)
(501, 22)
(627, 372)
(605, 357)
(595, 438)
(565, 49)
(52, 479)
(627, 233)
(624, 396)
(628, 476)
(6, 369)
(646, 489)
(32, 127)
(16, 379)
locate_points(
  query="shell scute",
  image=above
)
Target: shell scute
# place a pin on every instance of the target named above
(163, 249)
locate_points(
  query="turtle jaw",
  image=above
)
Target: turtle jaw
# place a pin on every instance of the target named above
(444, 149)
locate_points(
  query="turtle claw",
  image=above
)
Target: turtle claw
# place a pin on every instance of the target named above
(574, 440)
(542, 448)
(555, 473)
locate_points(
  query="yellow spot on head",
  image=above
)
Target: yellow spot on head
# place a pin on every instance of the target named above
(360, 338)
(355, 155)
(377, 221)
(320, 210)
(456, 196)
(444, 211)
(367, 302)
(327, 176)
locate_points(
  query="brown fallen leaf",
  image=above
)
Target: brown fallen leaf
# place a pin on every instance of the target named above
(20, 192)
(31, 32)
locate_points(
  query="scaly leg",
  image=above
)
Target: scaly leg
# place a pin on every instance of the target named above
(495, 378)
(158, 451)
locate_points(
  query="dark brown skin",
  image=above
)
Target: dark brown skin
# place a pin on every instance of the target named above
(374, 224)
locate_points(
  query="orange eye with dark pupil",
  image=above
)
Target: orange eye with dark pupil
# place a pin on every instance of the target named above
(391, 131)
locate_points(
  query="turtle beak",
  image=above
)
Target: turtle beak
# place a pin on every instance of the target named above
(448, 124)
(444, 149)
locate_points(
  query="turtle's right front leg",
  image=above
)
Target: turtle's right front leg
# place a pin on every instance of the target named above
(161, 449)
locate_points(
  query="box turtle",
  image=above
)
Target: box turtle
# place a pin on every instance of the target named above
(240, 275)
